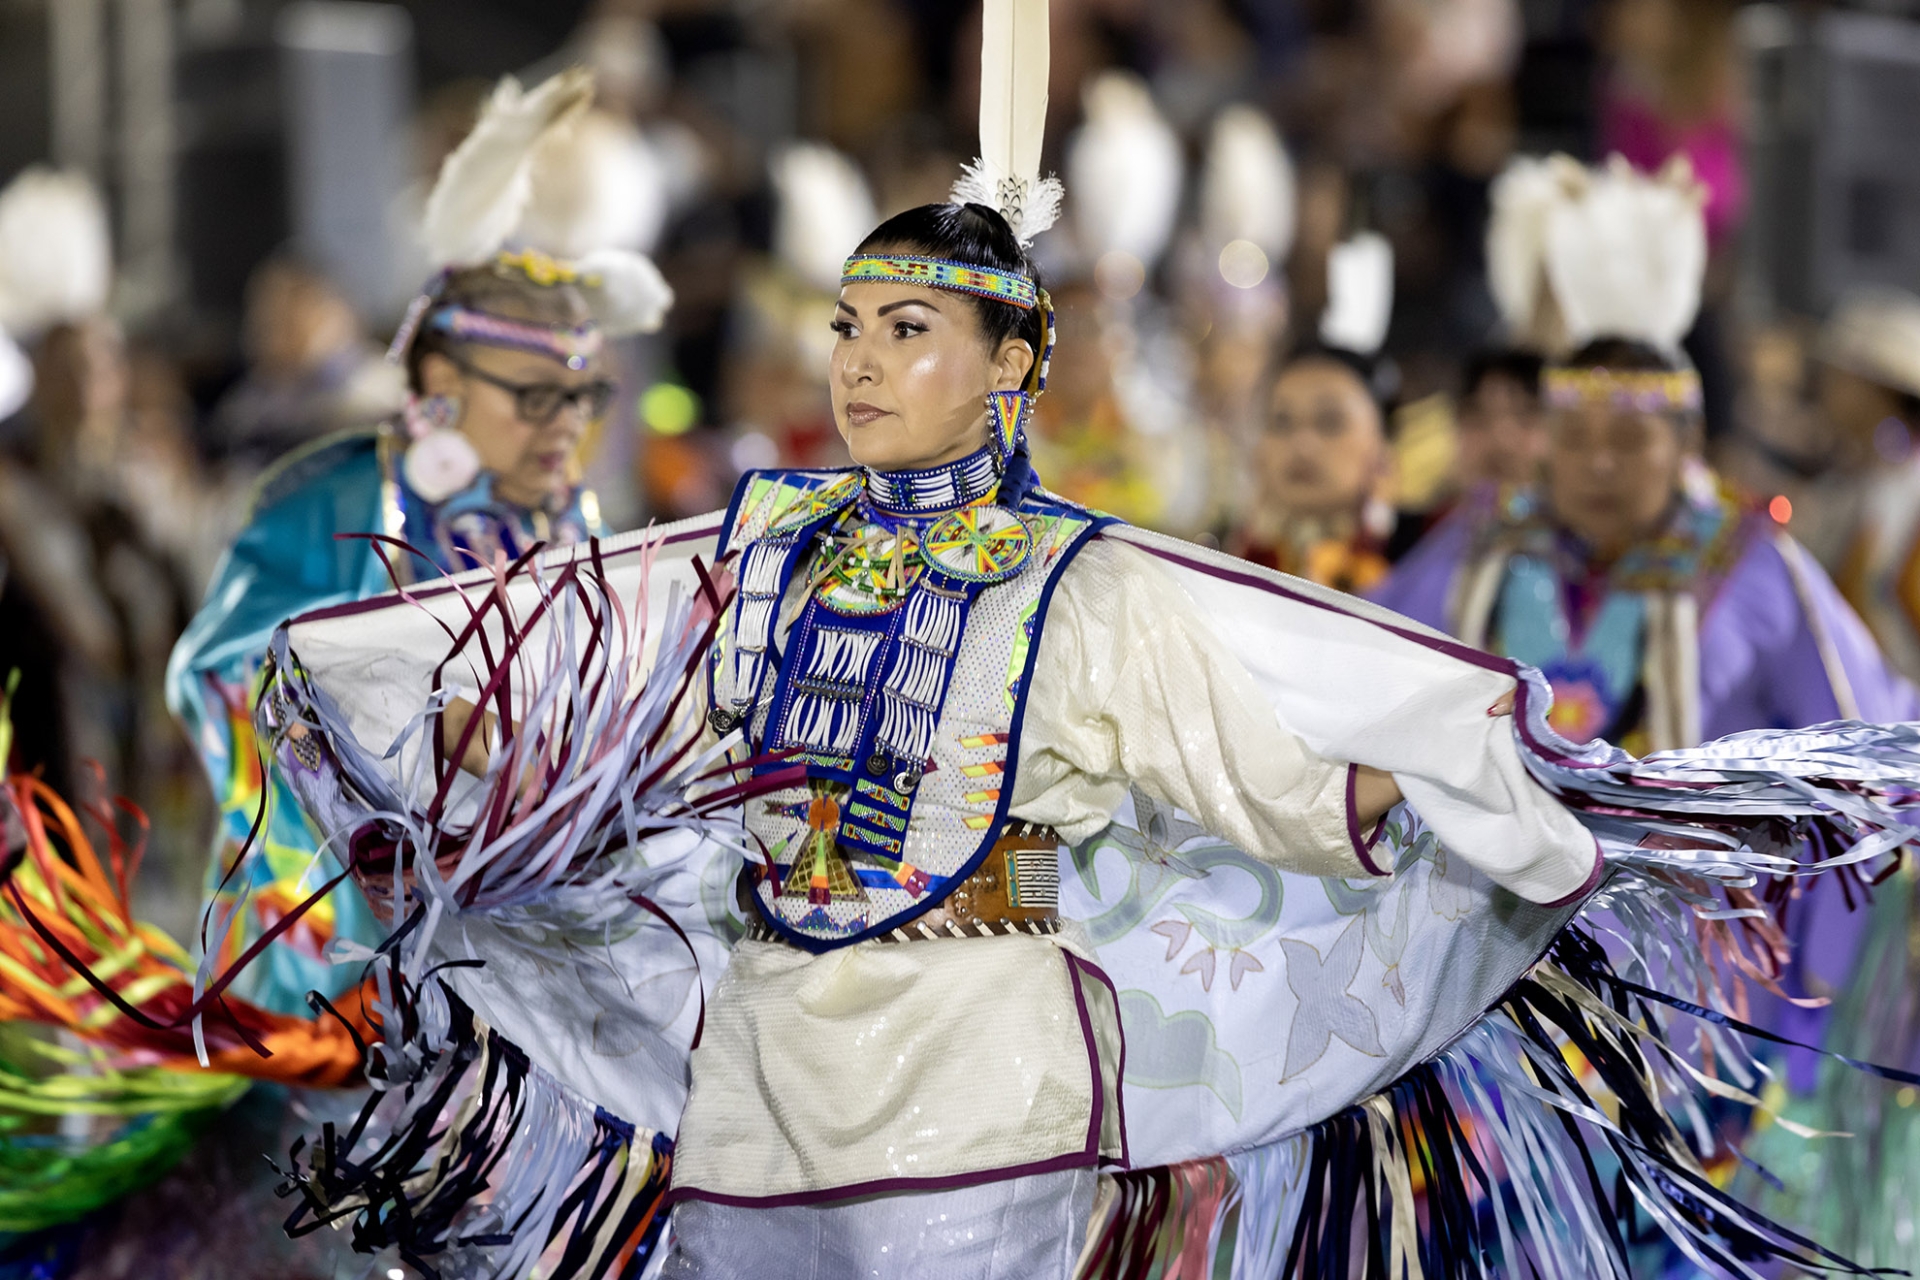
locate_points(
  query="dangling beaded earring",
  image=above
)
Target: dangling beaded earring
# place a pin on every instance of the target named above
(439, 461)
(1008, 412)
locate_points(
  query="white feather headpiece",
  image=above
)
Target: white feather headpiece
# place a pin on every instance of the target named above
(1523, 199)
(596, 184)
(1626, 254)
(825, 209)
(585, 210)
(1126, 168)
(1359, 293)
(1014, 62)
(1248, 190)
(485, 184)
(56, 255)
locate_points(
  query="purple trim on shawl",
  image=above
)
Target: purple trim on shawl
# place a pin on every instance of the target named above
(1591, 883)
(1084, 1158)
(1094, 971)
(443, 585)
(1362, 849)
(883, 1186)
(1451, 648)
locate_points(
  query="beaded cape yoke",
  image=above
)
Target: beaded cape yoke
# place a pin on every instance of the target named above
(898, 686)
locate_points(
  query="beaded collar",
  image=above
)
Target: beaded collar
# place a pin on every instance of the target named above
(935, 489)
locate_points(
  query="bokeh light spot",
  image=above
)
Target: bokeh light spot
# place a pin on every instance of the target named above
(1243, 264)
(669, 408)
(1781, 508)
(1119, 275)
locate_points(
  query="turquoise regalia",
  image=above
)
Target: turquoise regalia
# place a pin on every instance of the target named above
(332, 523)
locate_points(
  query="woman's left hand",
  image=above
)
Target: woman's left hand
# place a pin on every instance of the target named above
(1375, 791)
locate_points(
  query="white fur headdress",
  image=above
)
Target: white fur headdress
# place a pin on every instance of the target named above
(1014, 62)
(485, 187)
(1616, 252)
(1248, 190)
(1126, 167)
(825, 209)
(56, 256)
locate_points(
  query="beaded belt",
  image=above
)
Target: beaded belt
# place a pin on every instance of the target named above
(1015, 889)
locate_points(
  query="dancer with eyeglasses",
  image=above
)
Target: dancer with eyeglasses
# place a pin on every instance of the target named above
(507, 366)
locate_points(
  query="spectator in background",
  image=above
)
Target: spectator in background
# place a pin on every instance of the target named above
(311, 370)
(1500, 427)
(1869, 381)
(1323, 473)
(1674, 90)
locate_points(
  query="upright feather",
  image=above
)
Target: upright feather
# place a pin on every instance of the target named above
(484, 186)
(1014, 61)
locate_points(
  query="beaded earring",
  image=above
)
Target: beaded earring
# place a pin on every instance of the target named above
(439, 461)
(1009, 412)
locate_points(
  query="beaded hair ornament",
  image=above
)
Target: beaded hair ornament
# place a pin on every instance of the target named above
(1639, 390)
(1008, 412)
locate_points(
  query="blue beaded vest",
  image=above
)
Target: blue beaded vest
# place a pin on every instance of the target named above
(883, 635)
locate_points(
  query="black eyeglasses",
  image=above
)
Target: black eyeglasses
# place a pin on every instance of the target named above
(539, 403)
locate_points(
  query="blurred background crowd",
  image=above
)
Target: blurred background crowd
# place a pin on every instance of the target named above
(241, 183)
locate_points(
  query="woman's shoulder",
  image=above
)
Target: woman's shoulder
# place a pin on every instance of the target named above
(321, 468)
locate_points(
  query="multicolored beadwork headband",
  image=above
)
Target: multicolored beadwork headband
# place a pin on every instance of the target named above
(1641, 390)
(571, 346)
(942, 273)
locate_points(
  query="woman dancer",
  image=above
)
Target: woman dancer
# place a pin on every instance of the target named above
(931, 1028)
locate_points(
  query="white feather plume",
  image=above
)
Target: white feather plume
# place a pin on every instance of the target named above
(625, 291)
(1248, 191)
(1523, 199)
(1627, 257)
(485, 183)
(16, 377)
(597, 185)
(825, 209)
(1126, 167)
(1014, 63)
(1359, 293)
(56, 256)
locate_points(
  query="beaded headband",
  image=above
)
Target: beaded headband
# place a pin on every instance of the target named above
(573, 347)
(1642, 390)
(942, 273)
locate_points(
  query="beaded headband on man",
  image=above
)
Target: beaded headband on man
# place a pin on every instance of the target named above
(1641, 390)
(942, 273)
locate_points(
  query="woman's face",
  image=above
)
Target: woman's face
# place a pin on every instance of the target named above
(910, 374)
(532, 462)
(1325, 446)
(1612, 473)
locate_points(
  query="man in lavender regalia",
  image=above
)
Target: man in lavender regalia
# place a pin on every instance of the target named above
(1664, 610)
